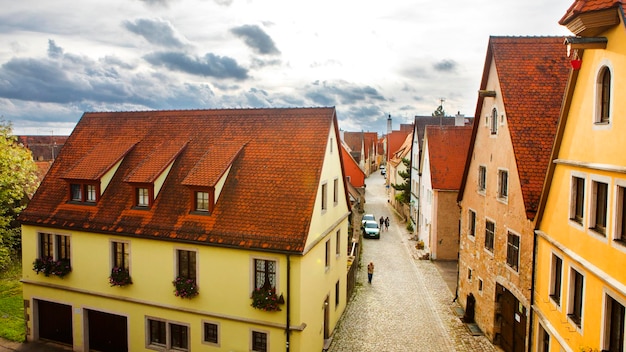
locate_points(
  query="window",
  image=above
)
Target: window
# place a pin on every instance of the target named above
(480, 285)
(157, 334)
(472, 223)
(338, 243)
(327, 255)
(555, 279)
(179, 337)
(469, 274)
(615, 326)
(186, 264)
(265, 273)
(578, 199)
(54, 246)
(599, 206)
(512, 251)
(335, 191)
(90, 193)
(84, 192)
(143, 197)
(620, 213)
(490, 229)
(259, 341)
(494, 121)
(120, 252)
(324, 196)
(337, 294)
(544, 340)
(603, 109)
(503, 184)
(482, 178)
(211, 332)
(76, 192)
(168, 336)
(575, 310)
(202, 201)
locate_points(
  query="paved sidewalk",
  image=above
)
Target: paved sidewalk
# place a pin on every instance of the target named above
(409, 305)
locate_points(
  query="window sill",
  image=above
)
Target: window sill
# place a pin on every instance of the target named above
(556, 300)
(574, 319)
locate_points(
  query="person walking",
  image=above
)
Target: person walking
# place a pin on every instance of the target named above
(382, 222)
(370, 272)
(387, 224)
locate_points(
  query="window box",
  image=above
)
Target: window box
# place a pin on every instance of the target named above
(266, 299)
(185, 287)
(120, 277)
(49, 266)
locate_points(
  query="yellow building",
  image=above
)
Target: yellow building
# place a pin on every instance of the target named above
(580, 281)
(203, 230)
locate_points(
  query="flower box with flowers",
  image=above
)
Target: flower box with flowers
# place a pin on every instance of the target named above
(185, 287)
(266, 299)
(48, 266)
(120, 277)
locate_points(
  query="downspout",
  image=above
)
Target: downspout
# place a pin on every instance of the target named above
(532, 294)
(287, 303)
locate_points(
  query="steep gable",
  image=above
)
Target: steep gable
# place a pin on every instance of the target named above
(447, 150)
(532, 73)
(263, 175)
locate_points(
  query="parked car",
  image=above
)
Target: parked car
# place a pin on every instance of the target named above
(383, 170)
(367, 217)
(370, 229)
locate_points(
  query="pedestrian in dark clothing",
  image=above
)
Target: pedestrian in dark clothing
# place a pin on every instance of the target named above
(387, 224)
(370, 272)
(382, 222)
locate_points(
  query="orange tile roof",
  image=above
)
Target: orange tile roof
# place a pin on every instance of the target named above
(583, 6)
(268, 197)
(447, 149)
(533, 73)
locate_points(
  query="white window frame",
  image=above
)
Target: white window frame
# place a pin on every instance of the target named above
(176, 264)
(338, 244)
(493, 122)
(593, 203)
(482, 179)
(552, 294)
(598, 124)
(502, 173)
(519, 250)
(56, 251)
(126, 246)
(324, 196)
(572, 201)
(570, 299)
(619, 214)
(606, 317)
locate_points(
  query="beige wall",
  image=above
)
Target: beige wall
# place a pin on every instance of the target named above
(445, 244)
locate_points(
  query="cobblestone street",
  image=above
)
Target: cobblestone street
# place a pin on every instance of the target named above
(408, 306)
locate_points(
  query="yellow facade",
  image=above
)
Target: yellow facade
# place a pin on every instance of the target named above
(312, 283)
(591, 155)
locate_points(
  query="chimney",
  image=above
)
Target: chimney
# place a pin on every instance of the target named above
(459, 119)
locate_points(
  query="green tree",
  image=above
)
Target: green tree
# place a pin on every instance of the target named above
(405, 188)
(18, 182)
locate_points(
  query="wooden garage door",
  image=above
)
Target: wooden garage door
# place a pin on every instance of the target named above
(107, 332)
(55, 321)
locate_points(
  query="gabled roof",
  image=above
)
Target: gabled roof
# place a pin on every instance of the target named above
(356, 140)
(395, 139)
(403, 151)
(533, 74)
(272, 157)
(447, 150)
(43, 148)
(586, 6)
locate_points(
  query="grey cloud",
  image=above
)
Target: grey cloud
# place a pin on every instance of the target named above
(54, 51)
(445, 66)
(157, 31)
(331, 93)
(224, 2)
(256, 39)
(209, 65)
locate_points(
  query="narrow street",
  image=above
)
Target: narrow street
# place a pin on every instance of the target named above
(408, 306)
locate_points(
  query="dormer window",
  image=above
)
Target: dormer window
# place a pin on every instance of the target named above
(143, 197)
(84, 192)
(202, 201)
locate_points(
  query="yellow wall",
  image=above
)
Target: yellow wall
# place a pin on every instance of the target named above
(591, 152)
(224, 276)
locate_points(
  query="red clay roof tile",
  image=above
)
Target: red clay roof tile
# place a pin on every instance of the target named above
(447, 147)
(268, 196)
(583, 6)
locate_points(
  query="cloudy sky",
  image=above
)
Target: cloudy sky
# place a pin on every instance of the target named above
(367, 58)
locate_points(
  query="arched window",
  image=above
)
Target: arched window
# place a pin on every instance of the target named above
(603, 114)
